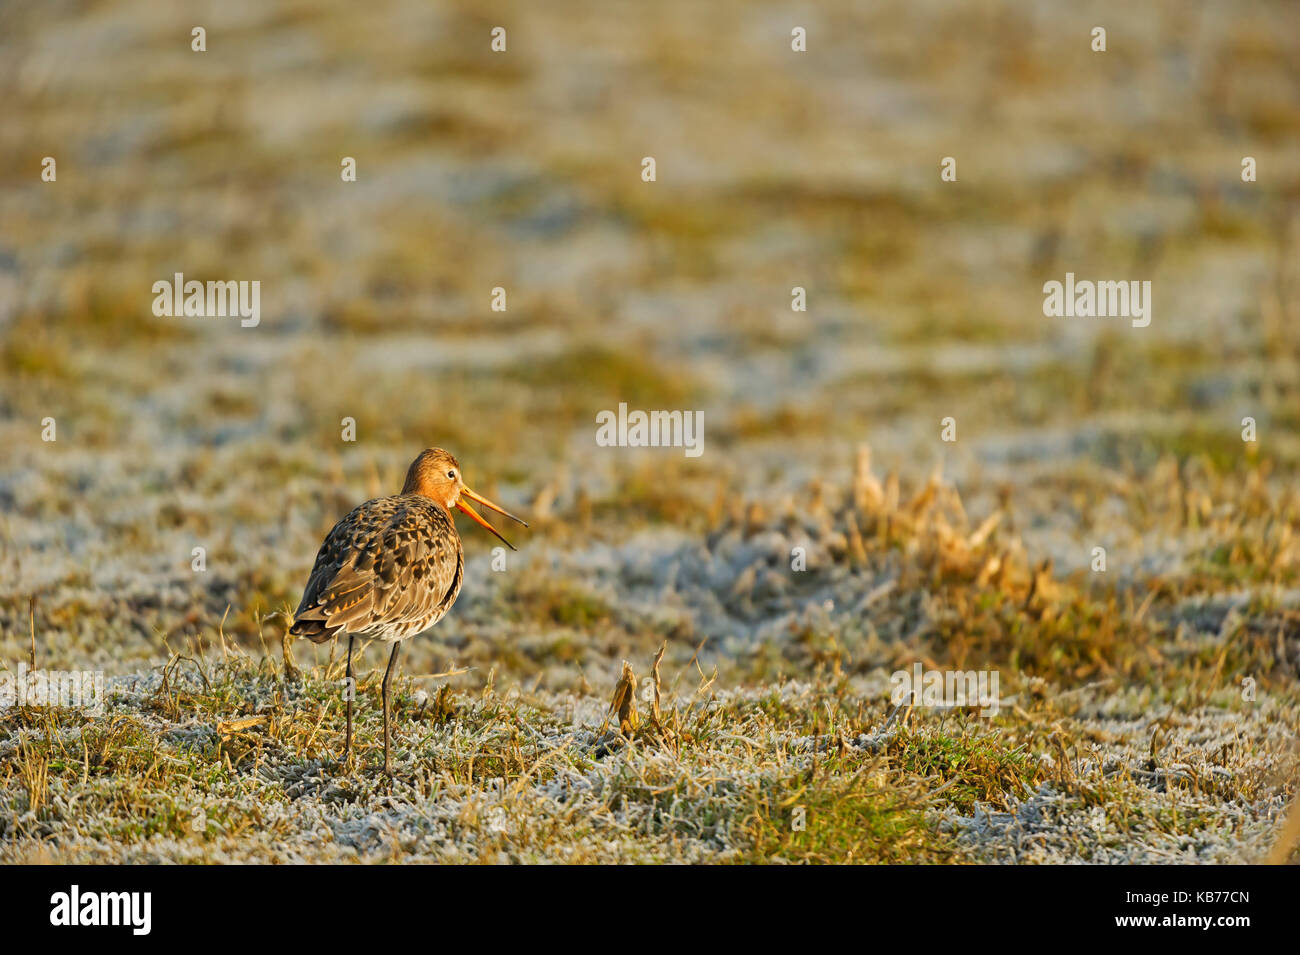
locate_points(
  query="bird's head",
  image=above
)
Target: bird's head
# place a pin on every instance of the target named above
(435, 474)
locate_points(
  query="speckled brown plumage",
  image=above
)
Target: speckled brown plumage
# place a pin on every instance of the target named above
(390, 569)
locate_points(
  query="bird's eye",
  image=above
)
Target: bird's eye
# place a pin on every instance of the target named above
(452, 475)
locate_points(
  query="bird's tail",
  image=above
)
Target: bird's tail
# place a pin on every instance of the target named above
(313, 626)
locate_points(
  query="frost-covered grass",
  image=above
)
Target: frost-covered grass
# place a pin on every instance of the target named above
(229, 761)
(1123, 734)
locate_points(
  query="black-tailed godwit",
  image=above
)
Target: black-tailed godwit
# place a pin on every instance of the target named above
(392, 568)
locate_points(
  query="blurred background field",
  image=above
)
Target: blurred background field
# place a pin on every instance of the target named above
(821, 429)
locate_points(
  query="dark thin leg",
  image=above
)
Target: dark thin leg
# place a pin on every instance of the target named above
(348, 692)
(388, 673)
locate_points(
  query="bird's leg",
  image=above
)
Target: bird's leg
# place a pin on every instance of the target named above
(349, 691)
(388, 673)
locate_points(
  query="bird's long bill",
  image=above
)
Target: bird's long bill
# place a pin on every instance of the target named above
(478, 519)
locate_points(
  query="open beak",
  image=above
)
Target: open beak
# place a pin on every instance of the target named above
(464, 507)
